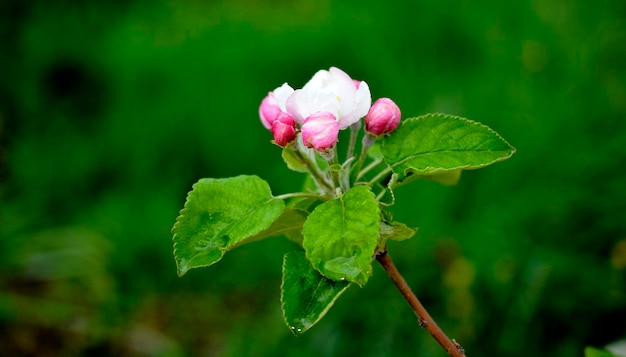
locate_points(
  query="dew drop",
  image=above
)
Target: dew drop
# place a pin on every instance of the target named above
(342, 278)
(299, 330)
(292, 327)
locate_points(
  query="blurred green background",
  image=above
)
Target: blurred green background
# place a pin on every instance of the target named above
(110, 111)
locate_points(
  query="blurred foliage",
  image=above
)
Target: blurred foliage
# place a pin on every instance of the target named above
(109, 111)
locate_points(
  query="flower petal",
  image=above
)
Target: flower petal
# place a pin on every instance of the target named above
(331, 91)
(281, 94)
(363, 100)
(360, 107)
(296, 106)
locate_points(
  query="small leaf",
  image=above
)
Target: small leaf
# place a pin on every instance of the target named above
(220, 214)
(340, 236)
(595, 352)
(438, 143)
(396, 231)
(293, 160)
(306, 295)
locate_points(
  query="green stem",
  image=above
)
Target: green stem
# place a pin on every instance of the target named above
(300, 194)
(366, 144)
(381, 194)
(380, 176)
(354, 133)
(369, 167)
(334, 167)
(453, 348)
(368, 141)
(314, 170)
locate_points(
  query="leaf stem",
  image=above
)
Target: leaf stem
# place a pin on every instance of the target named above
(369, 167)
(380, 176)
(423, 317)
(381, 194)
(300, 194)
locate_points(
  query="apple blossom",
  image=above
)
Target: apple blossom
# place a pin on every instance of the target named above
(383, 117)
(320, 131)
(331, 91)
(341, 216)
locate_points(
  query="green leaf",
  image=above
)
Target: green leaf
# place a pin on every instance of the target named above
(448, 178)
(389, 198)
(595, 352)
(219, 215)
(374, 151)
(306, 295)
(438, 143)
(340, 236)
(289, 223)
(293, 160)
(396, 231)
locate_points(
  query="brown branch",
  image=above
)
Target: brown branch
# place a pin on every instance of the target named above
(423, 317)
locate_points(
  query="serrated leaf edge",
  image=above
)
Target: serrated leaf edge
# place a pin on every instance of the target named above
(341, 199)
(184, 210)
(296, 331)
(436, 170)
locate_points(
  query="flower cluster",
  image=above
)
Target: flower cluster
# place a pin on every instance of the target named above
(329, 102)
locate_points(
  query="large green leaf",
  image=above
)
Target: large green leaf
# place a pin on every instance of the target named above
(306, 295)
(340, 236)
(438, 143)
(220, 214)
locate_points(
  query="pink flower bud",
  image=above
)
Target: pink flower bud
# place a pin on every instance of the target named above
(383, 117)
(285, 118)
(320, 131)
(269, 110)
(284, 129)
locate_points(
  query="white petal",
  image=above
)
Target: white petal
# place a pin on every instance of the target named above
(296, 106)
(281, 94)
(360, 106)
(320, 78)
(344, 89)
(363, 100)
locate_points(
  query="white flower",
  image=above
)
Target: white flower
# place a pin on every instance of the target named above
(331, 91)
